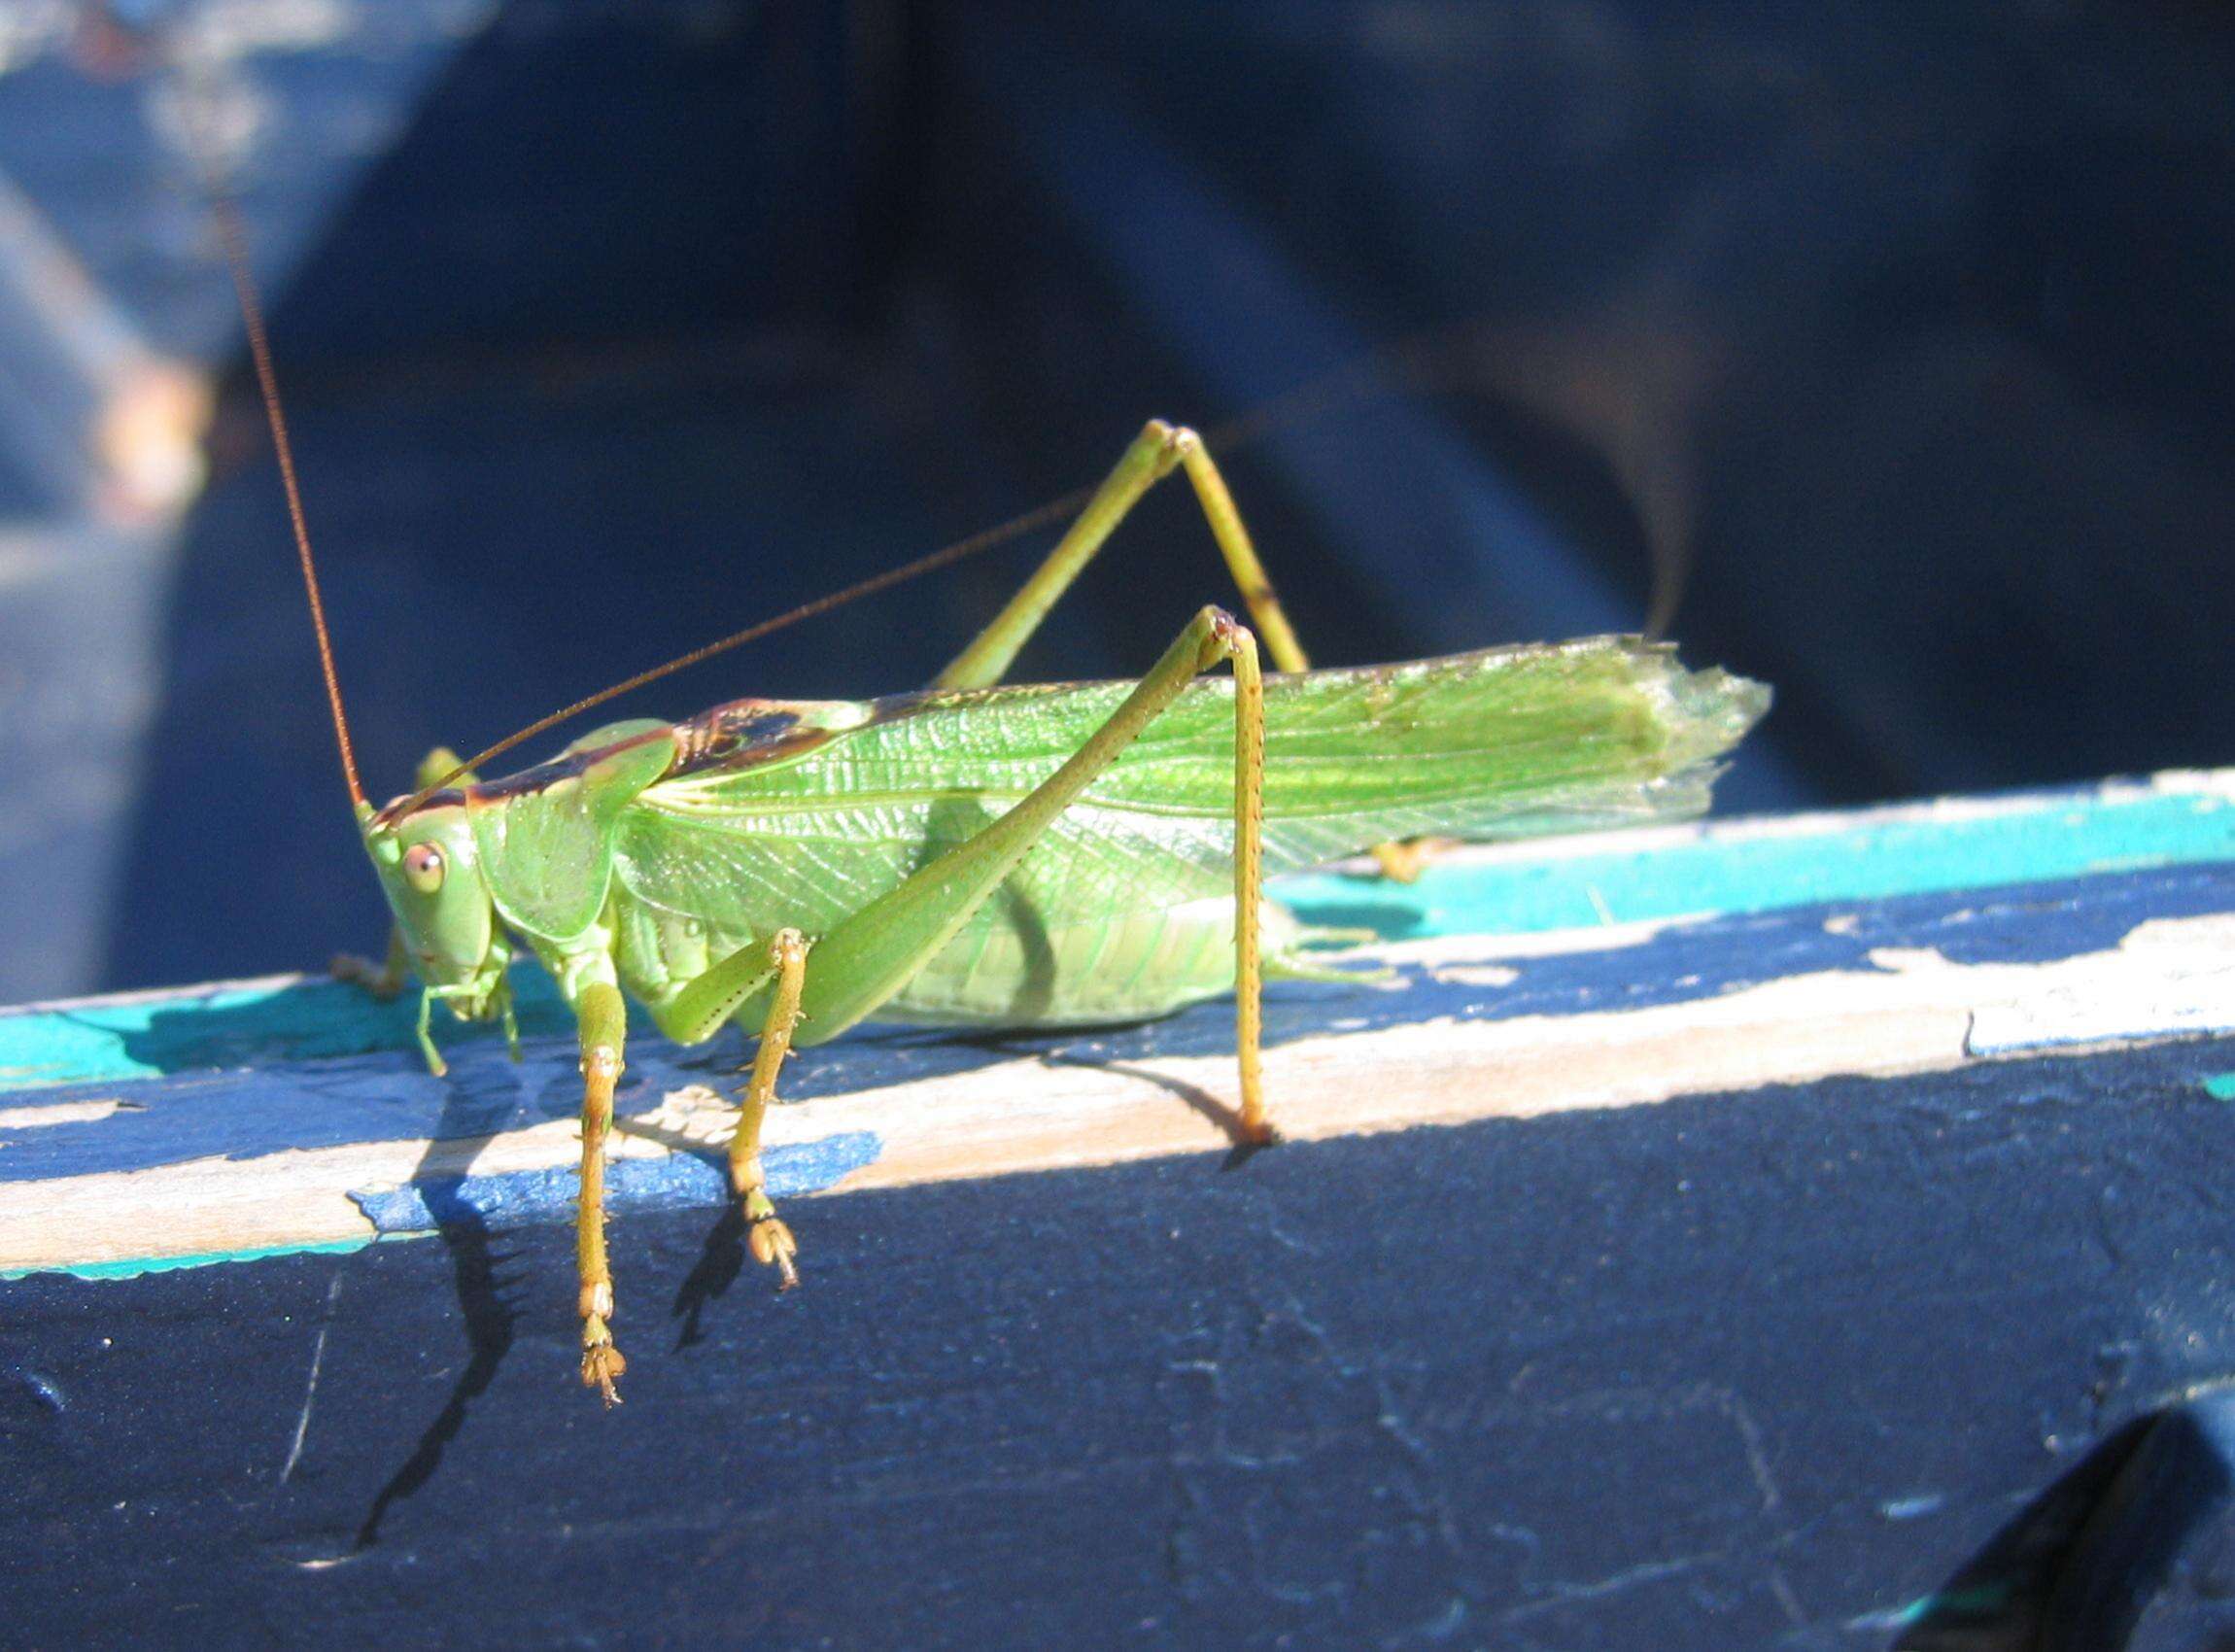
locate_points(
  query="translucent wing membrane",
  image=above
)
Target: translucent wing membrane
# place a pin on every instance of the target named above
(1499, 743)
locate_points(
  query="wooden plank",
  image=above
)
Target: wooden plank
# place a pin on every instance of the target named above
(1761, 1263)
(140, 1143)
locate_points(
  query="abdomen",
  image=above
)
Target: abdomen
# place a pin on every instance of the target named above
(1012, 967)
(1020, 971)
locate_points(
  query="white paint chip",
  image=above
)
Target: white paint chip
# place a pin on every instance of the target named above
(2182, 981)
(60, 1113)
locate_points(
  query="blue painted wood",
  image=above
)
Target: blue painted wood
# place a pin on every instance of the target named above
(250, 1071)
(2024, 837)
(1758, 1370)
(387, 1095)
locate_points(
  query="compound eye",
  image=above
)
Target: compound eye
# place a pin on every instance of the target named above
(422, 867)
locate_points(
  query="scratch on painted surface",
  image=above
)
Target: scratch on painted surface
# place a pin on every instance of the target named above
(310, 1389)
(1562, 1594)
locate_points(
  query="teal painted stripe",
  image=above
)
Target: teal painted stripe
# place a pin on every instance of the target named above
(126, 1040)
(236, 1026)
(1746, 869)
(139, 1265)
(2028, 840)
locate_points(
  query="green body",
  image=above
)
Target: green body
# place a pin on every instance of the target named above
(648, 853)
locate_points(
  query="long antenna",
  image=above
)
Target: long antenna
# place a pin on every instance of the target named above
(235, 241)
(876, 582)
(1417, 361)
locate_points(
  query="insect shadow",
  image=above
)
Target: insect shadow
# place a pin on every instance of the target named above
(721, 1258)
(305, 1021)
(475, 1091)
(1223, 1115)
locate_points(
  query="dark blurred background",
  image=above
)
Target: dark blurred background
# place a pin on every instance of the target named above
(607, 329)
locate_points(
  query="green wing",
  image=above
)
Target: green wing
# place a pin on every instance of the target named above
(1501, 744)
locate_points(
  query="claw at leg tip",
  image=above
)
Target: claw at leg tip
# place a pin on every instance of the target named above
(773, 1246)
(602, 1362)
(601, 1367)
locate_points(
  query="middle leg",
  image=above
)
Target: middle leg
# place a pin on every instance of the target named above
(771, 1241)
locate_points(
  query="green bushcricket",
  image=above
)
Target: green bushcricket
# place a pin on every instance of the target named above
(975, 855)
